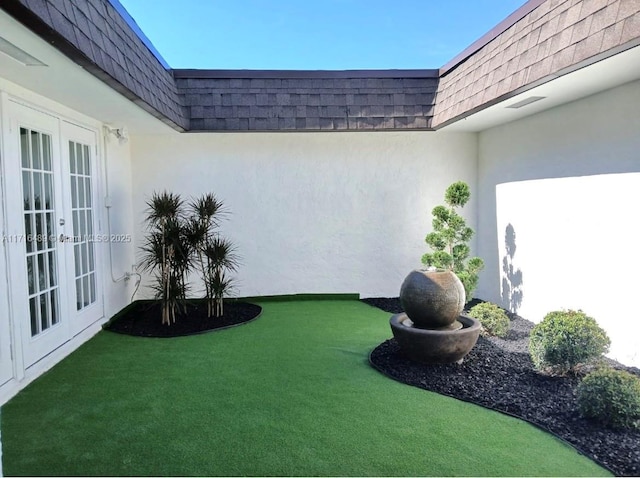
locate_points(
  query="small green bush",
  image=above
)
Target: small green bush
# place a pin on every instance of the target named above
(611, 397)
(494, 320)
(565, 339)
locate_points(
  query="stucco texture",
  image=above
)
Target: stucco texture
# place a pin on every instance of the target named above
(558, 226)
(121, 259)
(313, 213)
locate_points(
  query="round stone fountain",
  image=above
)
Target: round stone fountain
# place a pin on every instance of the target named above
(432, 329)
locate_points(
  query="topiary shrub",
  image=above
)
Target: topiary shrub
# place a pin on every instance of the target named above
(611, 397)
(494, 320)
(565, 339)
(450, 237)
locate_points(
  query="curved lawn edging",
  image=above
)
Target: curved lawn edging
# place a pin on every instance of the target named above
(498, 380)
(124, 320)
(142, 319)
(384, 372)
(291, 395)
(498, 374)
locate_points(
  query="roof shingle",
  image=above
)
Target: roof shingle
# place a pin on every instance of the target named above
(556, 35)
(95, 35)
(536, 43)
(342, 101)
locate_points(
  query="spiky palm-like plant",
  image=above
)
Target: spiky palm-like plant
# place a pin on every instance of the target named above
(207, 212)
(179, 243)
(167, 251)
(450, 237)
(221, 258)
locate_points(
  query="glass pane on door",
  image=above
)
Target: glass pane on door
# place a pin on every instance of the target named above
(38, 211)
(82, 212)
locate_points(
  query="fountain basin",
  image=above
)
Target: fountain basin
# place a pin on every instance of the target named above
(435, 346)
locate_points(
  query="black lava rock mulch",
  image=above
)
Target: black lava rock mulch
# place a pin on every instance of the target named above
(144, 319)
(498, 374)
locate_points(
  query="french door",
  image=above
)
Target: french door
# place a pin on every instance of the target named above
(80, 255)
(6, 360)
(51, 223)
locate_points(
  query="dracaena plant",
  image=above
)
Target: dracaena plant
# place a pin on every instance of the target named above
(167, 251)
(183, 239)
(215, 255)
(220, 260)
(450, 237)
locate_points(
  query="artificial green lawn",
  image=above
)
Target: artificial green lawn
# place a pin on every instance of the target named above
(288, 394)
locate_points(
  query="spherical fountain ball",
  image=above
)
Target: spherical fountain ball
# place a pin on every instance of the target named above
(432, 299)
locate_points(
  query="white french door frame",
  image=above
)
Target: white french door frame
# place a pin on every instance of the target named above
(83, 256)
(51, 321)
(7, 362)
(28, 349)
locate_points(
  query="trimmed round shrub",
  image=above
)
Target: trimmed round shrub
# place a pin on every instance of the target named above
(565, 339)
(611, 397)
(494, 320)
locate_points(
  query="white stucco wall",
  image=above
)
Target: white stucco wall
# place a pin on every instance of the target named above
(117, 190)
(559, 223)
(313, 212)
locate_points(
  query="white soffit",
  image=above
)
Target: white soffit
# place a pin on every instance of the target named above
(603, 75)
(21, 56)
(69, 84)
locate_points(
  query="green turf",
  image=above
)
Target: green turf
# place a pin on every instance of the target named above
(289, 394)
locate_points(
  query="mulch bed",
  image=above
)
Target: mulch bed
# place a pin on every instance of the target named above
(498, 374)
(143, 319)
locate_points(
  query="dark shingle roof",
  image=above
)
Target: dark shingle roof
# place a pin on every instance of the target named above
(555, 37)
(95, 35)
(540, 41)
(308, 100)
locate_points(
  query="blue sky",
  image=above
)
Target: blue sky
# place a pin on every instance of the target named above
(315, 34)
